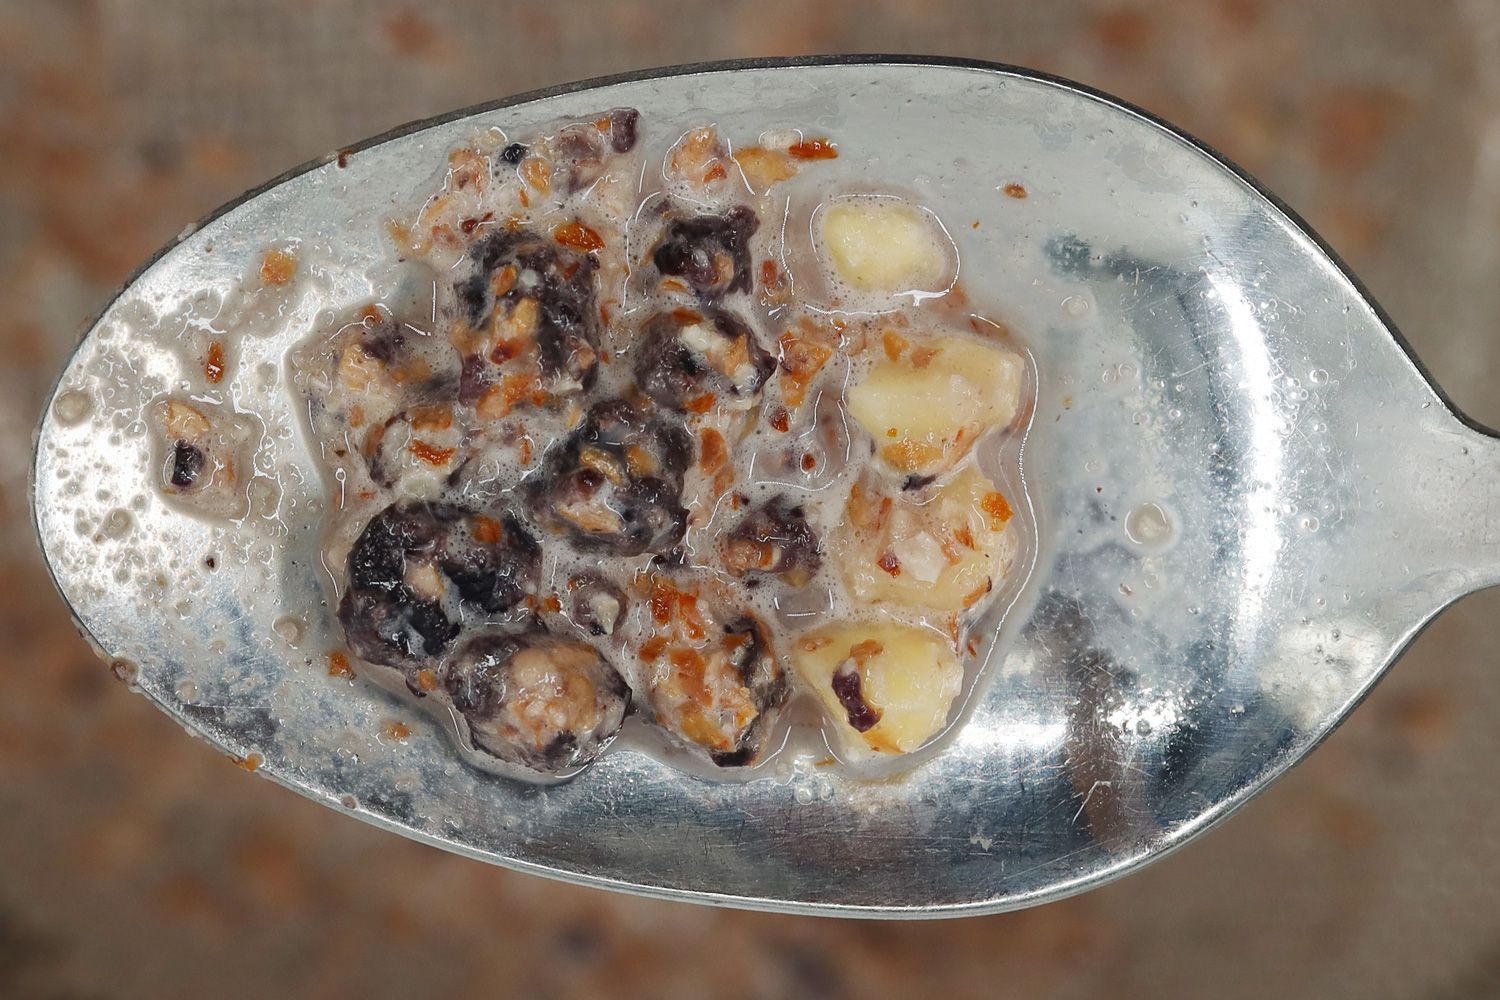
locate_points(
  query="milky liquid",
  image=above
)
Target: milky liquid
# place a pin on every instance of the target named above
(814, 462)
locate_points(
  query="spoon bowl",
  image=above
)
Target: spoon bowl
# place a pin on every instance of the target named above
(1249, 499)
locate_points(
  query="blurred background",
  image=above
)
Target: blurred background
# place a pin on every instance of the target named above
(136, 862)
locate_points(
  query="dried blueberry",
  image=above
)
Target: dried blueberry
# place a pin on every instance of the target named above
(685, 356)
(419, 568)
(562, 320)
(547, 703)
(773, 538)
(710, 252)
(513, 154)
(615, 484)
(623, 123)
(187, 465)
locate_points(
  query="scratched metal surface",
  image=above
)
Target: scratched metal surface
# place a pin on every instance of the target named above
(1196, 351)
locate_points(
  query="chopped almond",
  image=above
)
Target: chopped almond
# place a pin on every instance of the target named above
(429, 453)
(909, 456)
(894, 344)
(277, 267)
(485, 530)
(431, 418)
(213, 366)
(537, 172)
(764, 167)
(996, 509)
(713, 453)
(338, 666)
(813, 149)
(578, 236)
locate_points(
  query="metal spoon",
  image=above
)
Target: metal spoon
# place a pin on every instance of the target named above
(1250, 498)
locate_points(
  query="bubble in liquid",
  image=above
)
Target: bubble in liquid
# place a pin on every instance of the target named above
(1310, 524)
(290, 628)
(186, 691)
(116, 523)
(72, 407)
(1148, 524)
(1075, 306)
(1317, 376)
(803, 795)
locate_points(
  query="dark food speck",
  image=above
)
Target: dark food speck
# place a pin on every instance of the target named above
(710, 252)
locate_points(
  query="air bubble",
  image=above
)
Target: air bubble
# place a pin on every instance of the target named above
(1310, 524)
(72, 407)
(1076, 306)
(187, 691)
(1317, 376)
(116, 523)
(290, 628)
(1148, 525)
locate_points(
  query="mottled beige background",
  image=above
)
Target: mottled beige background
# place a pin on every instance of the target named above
(135, 862)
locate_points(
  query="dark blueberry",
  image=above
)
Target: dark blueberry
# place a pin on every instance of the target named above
(615, 484)
(513, 154)
(710, 252)
(774, 537)
(187, 465)
(398, 609)
(623, 123)
(531, 698)
(684, 355)
(562, 283)
(847, 688)
(916, 482)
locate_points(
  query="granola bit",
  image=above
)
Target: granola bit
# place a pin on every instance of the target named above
(780, 420)
(894, 344)
(813, 149)
(996, 509)
(764, 167)
(277, 267)
(890, 563)
(485, 529)
(537, 173)
(578, 236)
(427, 681)
(1014, 190)
(395, 731)
(213, 366)
(430, 454)
(250, 762)
(338, 666)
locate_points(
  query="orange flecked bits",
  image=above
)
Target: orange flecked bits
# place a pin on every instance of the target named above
(277, 267)
(338, 666)
(813, 149)
(578, 236)
(213, 365)
(996, 509)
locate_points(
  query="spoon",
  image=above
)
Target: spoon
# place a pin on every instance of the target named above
(1250, 499)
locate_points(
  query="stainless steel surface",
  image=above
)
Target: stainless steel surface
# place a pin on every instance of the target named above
(1197, 350)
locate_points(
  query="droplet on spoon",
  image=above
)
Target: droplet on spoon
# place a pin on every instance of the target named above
(1148, 525)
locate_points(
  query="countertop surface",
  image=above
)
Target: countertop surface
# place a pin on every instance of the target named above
(141, 863)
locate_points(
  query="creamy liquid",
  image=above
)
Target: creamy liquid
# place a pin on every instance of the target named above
(813, 462)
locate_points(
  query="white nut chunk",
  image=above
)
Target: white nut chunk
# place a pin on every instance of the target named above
(925, 402)
(885, 246)
(886, 688)
(943, 547)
